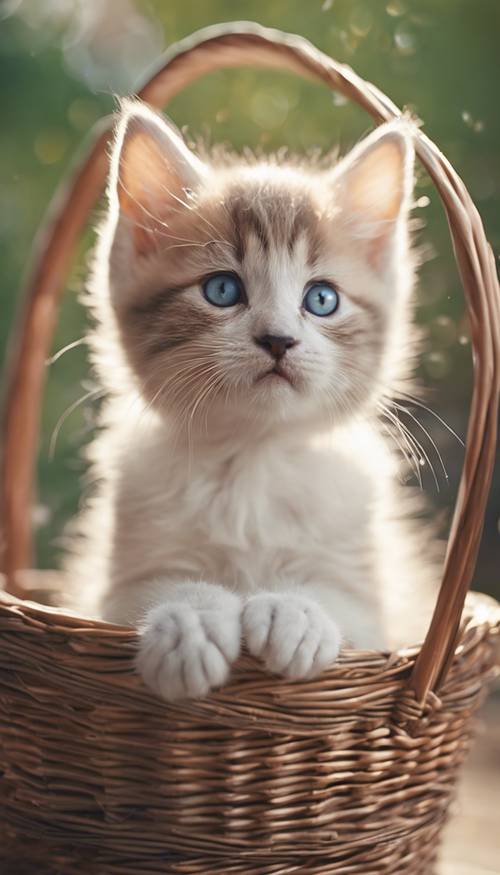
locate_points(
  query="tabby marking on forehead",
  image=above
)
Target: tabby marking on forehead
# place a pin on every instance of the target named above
(276, 218)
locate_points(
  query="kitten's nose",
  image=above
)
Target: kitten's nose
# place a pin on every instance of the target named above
(276, 345)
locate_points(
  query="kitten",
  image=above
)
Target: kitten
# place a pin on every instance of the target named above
(251, 316)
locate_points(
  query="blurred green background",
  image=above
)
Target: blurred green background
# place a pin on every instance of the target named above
(62, 62)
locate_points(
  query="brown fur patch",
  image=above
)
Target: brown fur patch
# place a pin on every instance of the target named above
(166, 321)
(305, 221)
(246, 221)
(274, 216)
(370, 307)
(355, 332)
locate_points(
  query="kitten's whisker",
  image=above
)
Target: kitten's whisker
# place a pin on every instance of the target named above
(185, 205)
(94, 393)
(180, 386)
(423, 456)
(191, 207)
(181, 380)
(199, 400)
(176, 198)
(212, 383)
(411, 453)
(159, 222)
(218, 383)
(59, 354)
(428, 436)
(177, 378)
(194, 245)
(433, 413)
(142, 207)
(167, 235)
(184, 242)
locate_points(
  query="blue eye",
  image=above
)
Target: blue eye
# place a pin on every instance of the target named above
(223, 290)
(321, 299)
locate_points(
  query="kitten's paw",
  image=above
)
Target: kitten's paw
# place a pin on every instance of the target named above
(291, 633)
(187, 651)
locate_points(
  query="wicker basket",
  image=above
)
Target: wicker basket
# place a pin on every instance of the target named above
(349, 773)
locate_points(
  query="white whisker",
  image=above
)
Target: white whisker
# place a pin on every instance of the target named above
(59, 354)
(94, 393)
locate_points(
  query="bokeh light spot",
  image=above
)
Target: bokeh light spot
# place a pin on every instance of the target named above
(339, 99)
(475, 125)
(361, 21)
(395, 8)
(444, 330)
(41, 515)
(269, 109)
(50, 146)
(83, 112)
(437, 365)
(405, 41)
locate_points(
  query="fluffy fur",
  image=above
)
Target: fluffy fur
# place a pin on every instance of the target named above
(239, 496)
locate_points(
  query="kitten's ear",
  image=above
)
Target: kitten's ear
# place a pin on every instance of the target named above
(152, 172)
(373, 187)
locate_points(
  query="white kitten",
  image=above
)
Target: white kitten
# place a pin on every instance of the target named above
(250, 319)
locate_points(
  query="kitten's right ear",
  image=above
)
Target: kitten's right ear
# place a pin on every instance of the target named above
(152, 172)
(373, 186)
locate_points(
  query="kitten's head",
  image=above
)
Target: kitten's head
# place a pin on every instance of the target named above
(262, 291)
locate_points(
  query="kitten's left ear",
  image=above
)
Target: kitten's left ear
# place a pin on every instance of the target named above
(152, 172)
(373, 187)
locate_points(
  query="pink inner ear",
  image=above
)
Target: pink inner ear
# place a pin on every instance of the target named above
(154, 167)
(376, 186)
(144, 185)
(374, 193)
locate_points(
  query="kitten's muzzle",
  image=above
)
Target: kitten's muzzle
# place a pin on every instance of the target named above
(276, 372)
(276, 345)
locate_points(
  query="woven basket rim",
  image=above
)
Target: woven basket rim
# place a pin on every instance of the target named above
(480, 609)
(98, 659)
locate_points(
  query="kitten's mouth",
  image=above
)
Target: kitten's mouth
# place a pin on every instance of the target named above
(276, 374)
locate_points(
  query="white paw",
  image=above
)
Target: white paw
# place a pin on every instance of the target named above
(291, 633)
(187, 651)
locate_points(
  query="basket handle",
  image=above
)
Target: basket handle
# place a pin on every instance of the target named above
(211, 49)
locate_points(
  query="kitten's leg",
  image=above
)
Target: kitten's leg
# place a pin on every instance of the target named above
(291, 633)
(189, 636)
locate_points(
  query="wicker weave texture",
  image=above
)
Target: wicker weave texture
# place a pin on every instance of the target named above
(344, 774)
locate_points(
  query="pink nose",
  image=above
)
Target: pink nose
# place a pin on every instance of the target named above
(275, 345)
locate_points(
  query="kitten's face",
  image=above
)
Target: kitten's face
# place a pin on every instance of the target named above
(257, 292)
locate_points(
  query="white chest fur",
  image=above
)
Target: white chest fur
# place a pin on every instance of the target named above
(259, 515)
